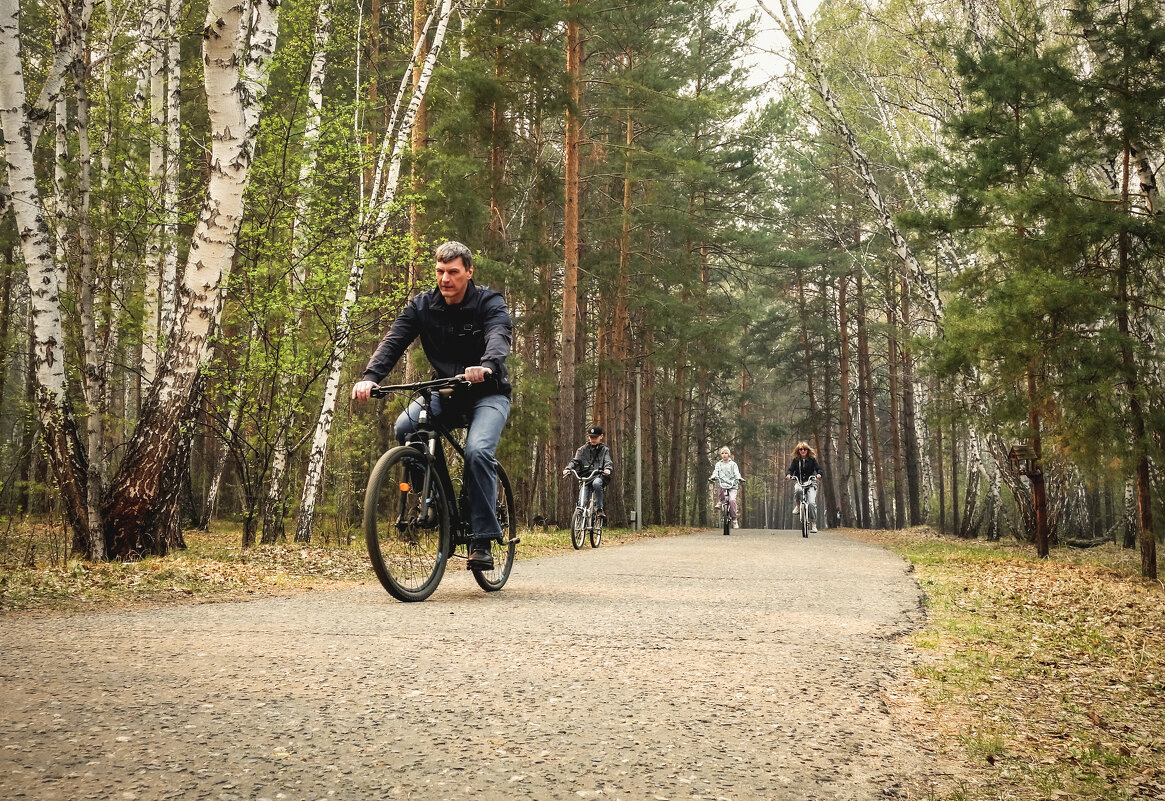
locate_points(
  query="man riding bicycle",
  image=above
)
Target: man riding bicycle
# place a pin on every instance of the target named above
(594, 456)
(465, 329)
(803, 468)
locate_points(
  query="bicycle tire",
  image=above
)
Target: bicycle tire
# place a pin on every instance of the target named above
(724, 517)
(503, 547)
(408, 537)
(804, 519)
(596, 530)
(578, 527)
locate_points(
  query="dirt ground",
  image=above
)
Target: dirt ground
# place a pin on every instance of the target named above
(756, 666)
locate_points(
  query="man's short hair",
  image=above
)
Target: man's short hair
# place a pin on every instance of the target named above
(455, 250)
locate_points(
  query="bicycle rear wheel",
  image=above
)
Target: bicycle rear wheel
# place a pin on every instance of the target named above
(596, 528)
(407, 534)
(504, 546)
(578, 527)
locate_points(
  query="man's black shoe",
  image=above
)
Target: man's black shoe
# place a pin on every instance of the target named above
(480, 557)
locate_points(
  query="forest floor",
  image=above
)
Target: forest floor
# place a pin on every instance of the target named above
(1033, 679)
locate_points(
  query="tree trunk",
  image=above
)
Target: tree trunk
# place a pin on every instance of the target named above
(1141, 445)
(59, 428)
(141, 504)
(566, 425)
(845, 423)
(866, 376)
(899, 466)
(373, 220)
(1039, 500)
(909, 418)
(275, 507)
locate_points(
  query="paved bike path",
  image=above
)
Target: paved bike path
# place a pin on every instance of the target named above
(704, 666)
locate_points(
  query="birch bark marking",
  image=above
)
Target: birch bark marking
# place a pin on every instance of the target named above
(169, 271)
(47, 346)
(374, 217)
(153, 336)
(141, 505)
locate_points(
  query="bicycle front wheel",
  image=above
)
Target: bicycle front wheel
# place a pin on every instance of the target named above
(406, 529)
(804, 519)
(504, 546)
(724, 518)
(578, 527)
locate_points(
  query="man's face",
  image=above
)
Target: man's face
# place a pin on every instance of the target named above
(453, 279)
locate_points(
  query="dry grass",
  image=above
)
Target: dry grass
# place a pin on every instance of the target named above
(1037, 679)
(37, 574)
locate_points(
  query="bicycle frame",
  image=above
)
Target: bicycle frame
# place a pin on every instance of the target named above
(582, 485)
(589, 527)
(428, 439)
(804, 487)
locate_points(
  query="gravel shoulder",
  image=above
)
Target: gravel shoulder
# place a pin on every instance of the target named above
(760, 665)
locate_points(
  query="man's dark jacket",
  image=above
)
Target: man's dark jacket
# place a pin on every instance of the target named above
(477, 331)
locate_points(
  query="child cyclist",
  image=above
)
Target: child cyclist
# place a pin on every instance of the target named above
(726, 475)
(595, 455)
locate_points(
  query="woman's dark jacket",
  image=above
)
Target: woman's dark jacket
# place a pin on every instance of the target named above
(802, 469)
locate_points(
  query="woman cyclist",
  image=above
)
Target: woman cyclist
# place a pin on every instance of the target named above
(804, 467)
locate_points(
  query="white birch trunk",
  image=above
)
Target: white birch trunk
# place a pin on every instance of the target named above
(792, 23)
(152, 337)
(95, 371)
(44, 278)
(373, 219)
(141, 504)
(168, 296)
(275, 507)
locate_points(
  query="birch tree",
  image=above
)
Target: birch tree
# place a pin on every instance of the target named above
(275, 507)
(793, 25)
(374, 216)
(45, 276)
(141, 503)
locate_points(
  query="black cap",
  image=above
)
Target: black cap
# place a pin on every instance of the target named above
(595, 431)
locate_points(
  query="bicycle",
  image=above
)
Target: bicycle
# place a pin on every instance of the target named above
(586, 520)
(803, 504)
(725, 507)
(414, 519)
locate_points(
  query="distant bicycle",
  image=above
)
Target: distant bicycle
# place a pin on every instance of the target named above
(586, 522)
(802, 491)
(415, 517)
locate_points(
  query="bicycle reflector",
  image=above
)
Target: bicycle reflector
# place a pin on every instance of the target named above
(404, 486)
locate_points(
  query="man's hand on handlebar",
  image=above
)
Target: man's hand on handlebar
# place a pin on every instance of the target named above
(475, 375)
(362, 390)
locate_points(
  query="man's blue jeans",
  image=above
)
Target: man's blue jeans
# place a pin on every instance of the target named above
(487, 417)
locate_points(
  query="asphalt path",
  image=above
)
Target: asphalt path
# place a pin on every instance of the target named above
(753, 666)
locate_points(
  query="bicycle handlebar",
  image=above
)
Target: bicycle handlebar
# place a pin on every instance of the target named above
(436, 383)
(594, 472)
